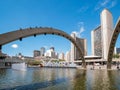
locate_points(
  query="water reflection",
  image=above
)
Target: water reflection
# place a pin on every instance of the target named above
(2, 73)
(100, 80)
(80, 80)
(59, 79)
(114, 80)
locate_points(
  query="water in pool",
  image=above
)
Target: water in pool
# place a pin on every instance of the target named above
(59, 79)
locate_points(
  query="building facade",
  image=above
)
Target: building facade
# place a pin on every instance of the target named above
(107, 28)
(100, 37)
(61, 56)
(36, 53)
(51, 53)
(42, 50)
(67, 56)
(96, 41)
(82, 44)
(116, 50)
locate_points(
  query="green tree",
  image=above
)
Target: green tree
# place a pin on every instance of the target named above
(116, 56)
(34, 62)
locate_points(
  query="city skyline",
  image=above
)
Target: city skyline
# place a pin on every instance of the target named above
(69, 16)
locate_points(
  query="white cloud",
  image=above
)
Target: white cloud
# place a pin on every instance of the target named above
(105, 4)
(82, 9)
(81, 29)
(113, 4)
(14, 46)
(76, 33)
(80, 23)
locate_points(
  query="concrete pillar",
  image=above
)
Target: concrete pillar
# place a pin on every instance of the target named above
(83, 63)
(109, 63)
(0, 47)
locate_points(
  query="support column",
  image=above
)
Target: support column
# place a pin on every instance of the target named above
(83, 63)
(109, 65)
(0, 47)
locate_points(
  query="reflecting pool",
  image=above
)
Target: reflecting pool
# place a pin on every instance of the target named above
(59, 79)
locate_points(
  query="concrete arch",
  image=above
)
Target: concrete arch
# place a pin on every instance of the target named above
(112, 43)
(22, 33)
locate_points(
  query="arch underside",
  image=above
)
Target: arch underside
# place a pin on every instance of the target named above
(22, 33)
(113, 41)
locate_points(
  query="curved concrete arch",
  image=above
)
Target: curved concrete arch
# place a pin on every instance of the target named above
(112, 43)
(22, 33)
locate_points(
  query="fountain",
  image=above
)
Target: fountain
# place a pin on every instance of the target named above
(19, 66)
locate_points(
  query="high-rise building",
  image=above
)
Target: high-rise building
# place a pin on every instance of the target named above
(42, 50)
(61, 56)
(67, 56)
(36, 53)
(100, 37)
(52, 48)
(116, 50)
(107, 28)
(51, 53)
(82, 44)
(56, 55)
(96, 41)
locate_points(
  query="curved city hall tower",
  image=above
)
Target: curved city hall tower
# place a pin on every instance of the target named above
(82, 42)
(107, 28)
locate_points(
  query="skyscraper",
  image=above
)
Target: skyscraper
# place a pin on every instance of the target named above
(67, 56)
(116, 50)
(52, 48)
(61, 56)
(56, 55)
(36, 53)
(106, 27)
(96, 41)
(42, 50)
(100, 37)
(82, 44)
(51, 53)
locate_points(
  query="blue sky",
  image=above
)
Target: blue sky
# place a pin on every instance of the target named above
(80, 16)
